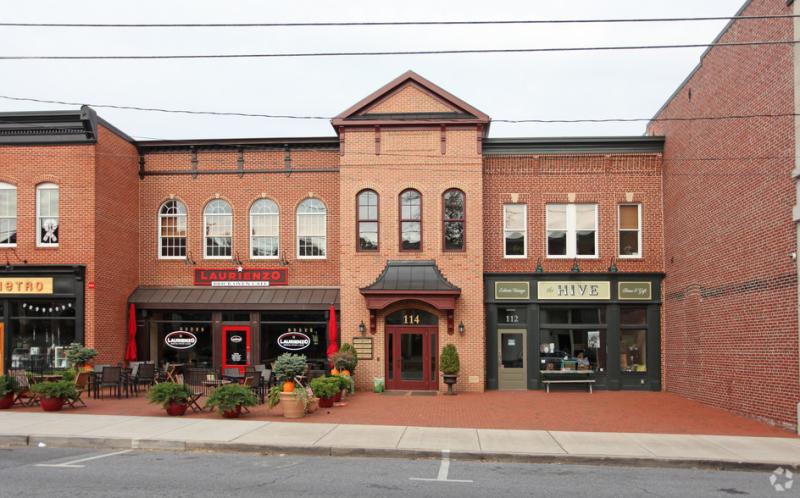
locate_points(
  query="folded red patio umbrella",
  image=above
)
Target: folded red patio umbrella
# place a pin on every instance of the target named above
(333, 333)
(131, 353)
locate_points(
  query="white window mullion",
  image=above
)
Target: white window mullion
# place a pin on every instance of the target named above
(571, 238)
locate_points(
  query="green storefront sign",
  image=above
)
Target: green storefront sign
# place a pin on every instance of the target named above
(575, 290)
(635, 291)
(512, 290)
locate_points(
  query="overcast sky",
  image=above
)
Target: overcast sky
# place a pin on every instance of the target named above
(509, 86)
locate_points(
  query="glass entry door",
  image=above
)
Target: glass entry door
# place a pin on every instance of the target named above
(236, 347)
(411, 358)
(513, 359)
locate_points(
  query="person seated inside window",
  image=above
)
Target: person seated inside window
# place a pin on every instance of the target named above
(583, 361)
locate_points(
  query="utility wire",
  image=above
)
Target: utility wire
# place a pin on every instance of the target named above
(326, 118)
(395, 23)
(401, 52)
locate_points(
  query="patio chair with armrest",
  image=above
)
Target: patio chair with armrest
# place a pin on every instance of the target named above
(81, 387)
(232, 373)
(111, 377)
(145, 376)
(24, 396)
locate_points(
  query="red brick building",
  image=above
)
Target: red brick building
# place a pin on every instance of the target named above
(541, 259)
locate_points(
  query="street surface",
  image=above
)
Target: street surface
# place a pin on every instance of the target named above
(38, 472)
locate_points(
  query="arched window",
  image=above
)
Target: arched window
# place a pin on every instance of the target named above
(311, 229)
(410, 220)
(218, 222)
(47, 220)
(264, 229)
(172, 230)
(454, 220)
(8, 215)
(368, 220)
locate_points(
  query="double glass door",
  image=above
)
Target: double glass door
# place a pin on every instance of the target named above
(411, 354)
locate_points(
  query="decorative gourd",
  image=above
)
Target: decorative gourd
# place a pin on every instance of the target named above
(335, 371)
(288, 386)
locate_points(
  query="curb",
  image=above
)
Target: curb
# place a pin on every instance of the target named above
(16, 441)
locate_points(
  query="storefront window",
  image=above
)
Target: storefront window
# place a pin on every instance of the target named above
(300, 332)
(40, 332)
(633, 339)
(185, 337)
(573, 338)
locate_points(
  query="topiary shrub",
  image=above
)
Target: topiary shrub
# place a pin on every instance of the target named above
(448, 361)
(288, 366)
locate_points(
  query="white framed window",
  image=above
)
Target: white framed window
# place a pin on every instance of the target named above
(515, 230)
(311, 229)
(630, 230)
(47, 220)
(264, 218)
(572, 231)
(218, 223)
(172, 230)
(8, 215)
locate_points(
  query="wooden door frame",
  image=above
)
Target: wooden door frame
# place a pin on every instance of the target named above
(427, 331)
(248, 344)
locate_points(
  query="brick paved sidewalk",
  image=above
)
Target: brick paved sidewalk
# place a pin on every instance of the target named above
(603, 411)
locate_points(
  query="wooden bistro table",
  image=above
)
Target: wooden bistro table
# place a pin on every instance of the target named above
(47, 378)
(558, 377)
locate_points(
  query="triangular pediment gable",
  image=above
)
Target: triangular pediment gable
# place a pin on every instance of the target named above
(410, 99)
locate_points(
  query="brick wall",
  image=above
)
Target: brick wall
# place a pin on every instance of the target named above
(730, 328)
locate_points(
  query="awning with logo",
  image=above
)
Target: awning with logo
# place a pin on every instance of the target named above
(232, 298)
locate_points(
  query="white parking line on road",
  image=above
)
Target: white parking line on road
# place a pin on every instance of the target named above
(72, 464)
(444, 469)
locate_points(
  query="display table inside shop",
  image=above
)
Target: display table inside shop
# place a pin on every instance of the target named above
(567, 377)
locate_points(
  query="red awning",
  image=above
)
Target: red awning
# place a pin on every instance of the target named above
(130, 353)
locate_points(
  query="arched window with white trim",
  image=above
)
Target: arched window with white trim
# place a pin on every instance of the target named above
(264, 227)
(8, 215)
(311, 229)
(172, 230)
(47, 219)
(218, 224)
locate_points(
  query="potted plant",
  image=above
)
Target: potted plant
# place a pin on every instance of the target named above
(294, 403)
(287, 367)
(79, 356)
(173, 397)
(326, 388)
(344, 361)
(346, 385)
(8, 387)
(53, 394)
(230, 399)
(449, 366)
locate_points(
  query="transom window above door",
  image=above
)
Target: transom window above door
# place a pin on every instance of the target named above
(572, 231)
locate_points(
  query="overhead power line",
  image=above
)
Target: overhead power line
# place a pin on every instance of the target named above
(326, 118)
(401, 52)
(311, 24)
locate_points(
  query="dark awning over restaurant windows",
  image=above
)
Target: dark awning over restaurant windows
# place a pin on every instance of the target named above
(271, 298)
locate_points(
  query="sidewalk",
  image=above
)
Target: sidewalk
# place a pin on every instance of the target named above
(179, 433)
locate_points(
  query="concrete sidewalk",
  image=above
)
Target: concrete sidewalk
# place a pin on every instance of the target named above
(177, 433)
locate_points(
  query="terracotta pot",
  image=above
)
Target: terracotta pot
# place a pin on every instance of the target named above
(288, 386)
(51, 404)
(326, 402)
(232, 413)
(293, 406)
(176, 408)
(338, 397)
(6, 401)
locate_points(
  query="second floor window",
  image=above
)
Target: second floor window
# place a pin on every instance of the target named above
(630, 230)
(264, 229)
(8, 215)
(47, 219)
(410, 221)
(571, 230)
(172, 230)
(454, 223)
(367, 221)
(515, 230)
(311, 229)
(218, 222)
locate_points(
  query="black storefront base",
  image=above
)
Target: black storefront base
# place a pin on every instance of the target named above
(504, 291)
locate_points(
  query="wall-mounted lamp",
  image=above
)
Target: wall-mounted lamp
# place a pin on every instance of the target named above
(613, 268)
(362, 329)
(461, 328)
(539, 268)
(237, 261)
(188, 261)
(575, 267)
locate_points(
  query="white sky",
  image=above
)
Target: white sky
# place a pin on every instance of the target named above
(510, 86)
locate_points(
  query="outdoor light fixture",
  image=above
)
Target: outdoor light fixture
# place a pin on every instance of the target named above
(461, 328)
(575, 267)
(188, 261)
(362, 329)
(237, 261)
(613, 268)
(539, 268)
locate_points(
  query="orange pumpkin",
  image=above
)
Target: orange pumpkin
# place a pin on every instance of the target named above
(346, 372)
(335, 371)
(288, 386)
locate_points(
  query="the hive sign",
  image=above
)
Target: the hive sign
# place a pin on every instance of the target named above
(180, 339)
(294, 341)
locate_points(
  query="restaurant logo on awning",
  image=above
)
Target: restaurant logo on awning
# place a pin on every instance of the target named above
(265, 277)
(294, 341)
(180, 339)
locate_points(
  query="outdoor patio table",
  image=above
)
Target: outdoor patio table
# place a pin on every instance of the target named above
(47, 378)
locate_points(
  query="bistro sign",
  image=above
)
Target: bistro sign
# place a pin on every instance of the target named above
(266, 277)
(294, 341)
(575, 290)
(180, 339)
(26, 285)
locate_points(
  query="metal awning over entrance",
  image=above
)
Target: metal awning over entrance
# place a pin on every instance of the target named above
(270, 298)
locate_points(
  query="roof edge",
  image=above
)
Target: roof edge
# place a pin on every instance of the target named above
(543, 145)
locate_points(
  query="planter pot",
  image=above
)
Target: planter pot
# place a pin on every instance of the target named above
(232, 413)
(293, 406)
(6, 401)
(51, 404)
(326, 402)
(338, 397)
(450, 380)
(176, 409)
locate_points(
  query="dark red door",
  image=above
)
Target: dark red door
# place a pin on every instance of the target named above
(411, 358)
(236, 347)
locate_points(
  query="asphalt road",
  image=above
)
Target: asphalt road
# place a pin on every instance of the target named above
(75, 472)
